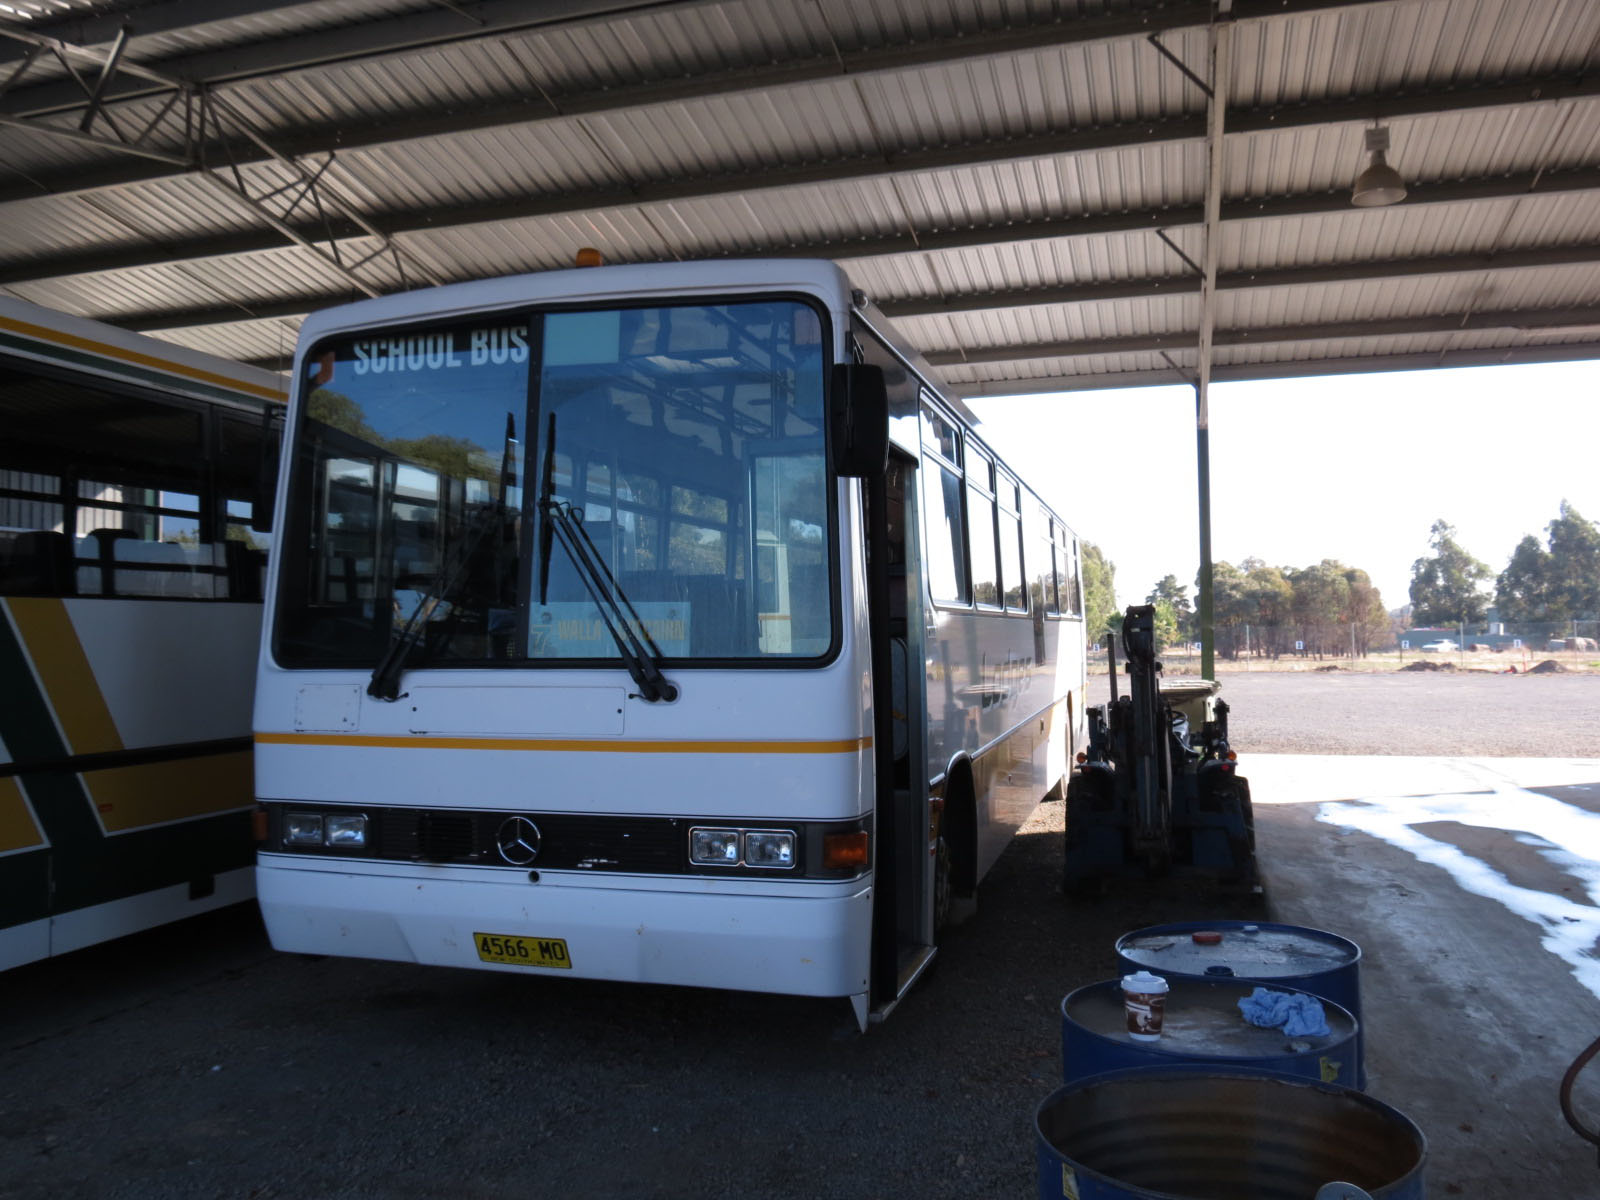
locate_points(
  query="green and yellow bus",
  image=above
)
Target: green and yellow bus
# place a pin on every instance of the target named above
(135, 487)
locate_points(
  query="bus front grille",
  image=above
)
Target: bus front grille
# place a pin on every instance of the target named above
(445, 836)
(567, 841)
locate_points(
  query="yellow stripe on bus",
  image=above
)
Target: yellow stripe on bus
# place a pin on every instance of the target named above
(176, 790)
(106, 350)
(63, 668)
(846, 746)
(18, 829)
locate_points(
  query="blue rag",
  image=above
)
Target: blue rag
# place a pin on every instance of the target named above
(1297, 1015)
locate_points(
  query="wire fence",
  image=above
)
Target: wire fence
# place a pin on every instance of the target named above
(1498, 645)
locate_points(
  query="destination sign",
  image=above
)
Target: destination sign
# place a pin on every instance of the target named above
(495, 345)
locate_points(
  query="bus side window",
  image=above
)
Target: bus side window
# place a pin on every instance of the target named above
(35, 562)
(945, 545)
(981, 531)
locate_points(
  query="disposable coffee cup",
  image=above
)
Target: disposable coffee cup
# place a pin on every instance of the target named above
(1144, 997)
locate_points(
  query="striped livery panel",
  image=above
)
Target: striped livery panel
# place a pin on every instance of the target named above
(62, 669)
(104, 357)
(18, 829)
(89, 816)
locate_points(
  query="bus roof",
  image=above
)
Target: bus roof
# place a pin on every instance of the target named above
(49, 336)
(578, 284)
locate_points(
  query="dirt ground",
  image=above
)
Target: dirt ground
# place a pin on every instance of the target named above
(1489, 663)
(1405, 712)
(194, 1061)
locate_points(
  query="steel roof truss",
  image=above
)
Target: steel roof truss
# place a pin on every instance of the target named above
(1523, 319)
(1289, 369)
(517, 109)
(1093, 292)
(391, 37)
(203, 110)
(401, 221)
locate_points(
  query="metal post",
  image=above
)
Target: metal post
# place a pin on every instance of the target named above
(1208, 635)
(1220, 39)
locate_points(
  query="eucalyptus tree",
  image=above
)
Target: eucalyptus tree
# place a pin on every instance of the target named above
(1447, 586)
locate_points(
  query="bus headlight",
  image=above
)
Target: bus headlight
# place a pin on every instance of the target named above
(764, 849)
(346, 829)
(769, 848)
(302, 829)
(714, 847)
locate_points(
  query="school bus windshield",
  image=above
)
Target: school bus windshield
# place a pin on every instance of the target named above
(686, 439)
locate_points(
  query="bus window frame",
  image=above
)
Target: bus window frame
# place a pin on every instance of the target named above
(211, 515)
(1008, 485)
(534, 414)
(934, 460)
(983, 485)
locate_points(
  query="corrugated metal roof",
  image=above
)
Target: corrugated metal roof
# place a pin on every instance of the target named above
(1013, 176)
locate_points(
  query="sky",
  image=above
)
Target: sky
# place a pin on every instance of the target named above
(1353, 467)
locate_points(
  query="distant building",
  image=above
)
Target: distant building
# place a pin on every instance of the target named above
(1416, 639)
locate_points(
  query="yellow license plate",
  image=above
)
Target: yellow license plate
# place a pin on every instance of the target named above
(523, 951)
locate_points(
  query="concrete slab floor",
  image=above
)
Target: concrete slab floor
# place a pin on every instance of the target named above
(1472, 886)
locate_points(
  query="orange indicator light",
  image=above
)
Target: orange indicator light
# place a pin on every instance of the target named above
(845, 850)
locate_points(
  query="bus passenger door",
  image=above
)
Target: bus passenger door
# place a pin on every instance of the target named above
(903, 913)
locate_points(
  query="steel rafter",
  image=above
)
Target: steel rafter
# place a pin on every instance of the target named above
(450, 23)
(1572, 254)
(521, 109)
(960, 302)
(146, 321)
(1495, 356)
(194, 119)
(396, 36)
(1530, 320)
(402, 221)
(951, 304)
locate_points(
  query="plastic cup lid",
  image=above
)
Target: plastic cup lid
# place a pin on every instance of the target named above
(1143, 981)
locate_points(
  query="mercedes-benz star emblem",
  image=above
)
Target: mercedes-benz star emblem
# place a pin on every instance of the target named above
(518, 841)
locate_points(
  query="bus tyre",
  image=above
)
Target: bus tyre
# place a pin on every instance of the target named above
(941, 888)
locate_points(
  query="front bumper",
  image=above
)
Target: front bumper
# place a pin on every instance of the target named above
(808, 940)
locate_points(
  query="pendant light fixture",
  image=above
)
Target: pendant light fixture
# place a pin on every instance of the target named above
(1380, 183)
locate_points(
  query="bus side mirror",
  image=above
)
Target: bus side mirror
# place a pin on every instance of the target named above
(858, 419)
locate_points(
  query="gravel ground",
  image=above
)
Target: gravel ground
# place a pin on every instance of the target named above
(195, 1062)
(1409, 712)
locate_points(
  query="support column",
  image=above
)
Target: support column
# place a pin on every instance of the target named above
(1221, 50)
(1203, 602)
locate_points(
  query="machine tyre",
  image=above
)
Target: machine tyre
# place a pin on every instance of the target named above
(1080, 799)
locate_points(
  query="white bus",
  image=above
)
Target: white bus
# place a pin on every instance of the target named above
(588, 639)
(132, 562)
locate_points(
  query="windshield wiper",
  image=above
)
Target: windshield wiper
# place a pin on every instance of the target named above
(385, 681)
(562, 523)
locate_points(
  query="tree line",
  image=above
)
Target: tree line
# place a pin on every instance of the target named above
(1265, 611)
(1257, 610)
(1335, 609)
(1550, 583)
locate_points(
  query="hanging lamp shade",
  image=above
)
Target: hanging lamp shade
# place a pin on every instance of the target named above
(1380, 183)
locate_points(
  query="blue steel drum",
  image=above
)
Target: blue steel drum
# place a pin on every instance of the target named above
(1291, 956)
(1221, 1134)
(1202, 1027)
